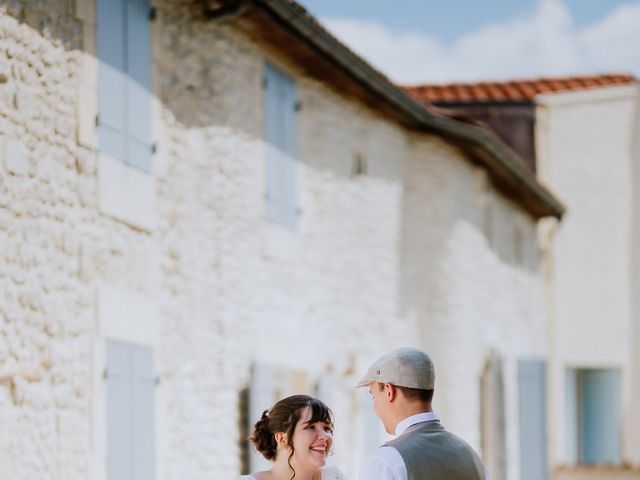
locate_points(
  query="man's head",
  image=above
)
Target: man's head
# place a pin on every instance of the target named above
(401, 384)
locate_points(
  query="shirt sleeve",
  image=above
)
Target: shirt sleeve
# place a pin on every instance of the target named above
(385, 463)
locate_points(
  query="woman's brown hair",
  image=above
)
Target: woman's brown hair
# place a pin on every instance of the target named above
(283, 417)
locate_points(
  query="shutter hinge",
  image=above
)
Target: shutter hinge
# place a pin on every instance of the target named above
(105, 374)
(154, 148)
(297, 106)
(157, 380)
(153, 14)
(97, 120)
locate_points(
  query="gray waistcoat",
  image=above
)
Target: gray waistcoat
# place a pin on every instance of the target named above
(431, 453)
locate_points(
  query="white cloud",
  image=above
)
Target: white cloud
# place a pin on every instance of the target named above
(614, 43)
(543, 42)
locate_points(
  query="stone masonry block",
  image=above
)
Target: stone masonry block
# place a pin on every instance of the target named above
(16, 158)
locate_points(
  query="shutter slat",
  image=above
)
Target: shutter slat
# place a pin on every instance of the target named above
(280, 131)
(291, 151)
(533, 420)
(111, 78)
(273, 128)
(571, 416)
(143, 417)
(130, 412)
(138, 84)
(120, 445)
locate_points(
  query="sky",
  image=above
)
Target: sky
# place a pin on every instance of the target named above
(440, 41)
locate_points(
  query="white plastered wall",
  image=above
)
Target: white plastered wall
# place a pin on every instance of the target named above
(584, 143)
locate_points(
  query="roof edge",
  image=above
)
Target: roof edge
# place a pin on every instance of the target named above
(477, 141)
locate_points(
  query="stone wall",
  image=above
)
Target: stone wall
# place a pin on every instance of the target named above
(417, 248)
(45, 306)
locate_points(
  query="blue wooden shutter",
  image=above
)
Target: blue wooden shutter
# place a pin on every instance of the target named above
(138, 83)
(272, 118)
(571, 416)
(533, 420)
(112, 79)
(280, 129)
(599, 416)
(143, 387)
(130, 407)
(120, 444)
(289, 147)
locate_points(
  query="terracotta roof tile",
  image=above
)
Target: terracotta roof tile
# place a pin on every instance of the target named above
(513, 90)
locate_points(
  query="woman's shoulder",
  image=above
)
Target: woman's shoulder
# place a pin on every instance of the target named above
(331, 472)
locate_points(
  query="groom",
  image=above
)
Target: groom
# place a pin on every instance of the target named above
(401, 385)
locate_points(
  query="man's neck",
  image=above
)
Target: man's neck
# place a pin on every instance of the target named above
(409, 410)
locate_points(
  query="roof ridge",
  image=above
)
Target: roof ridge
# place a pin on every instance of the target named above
(513, 90)
(605, 76)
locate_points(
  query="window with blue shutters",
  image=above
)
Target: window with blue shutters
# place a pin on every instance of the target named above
(130, 406)
(124, 80)
(533, 420)
(280, 107)
(593, 413)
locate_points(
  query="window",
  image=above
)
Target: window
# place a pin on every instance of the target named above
(130, 412)
(593, 416)
(280, 107)
(533, 420)
(123, 49)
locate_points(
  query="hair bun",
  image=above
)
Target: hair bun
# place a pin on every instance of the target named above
(264, 438)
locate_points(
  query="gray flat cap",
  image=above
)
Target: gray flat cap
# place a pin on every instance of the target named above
(405, 367)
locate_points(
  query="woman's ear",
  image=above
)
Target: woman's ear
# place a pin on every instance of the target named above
(281, 439)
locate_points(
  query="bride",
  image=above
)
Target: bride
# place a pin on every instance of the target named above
(296, 435)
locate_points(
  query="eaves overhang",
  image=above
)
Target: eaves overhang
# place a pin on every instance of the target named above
(285, 25)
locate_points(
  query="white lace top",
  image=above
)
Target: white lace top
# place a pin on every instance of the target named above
(329, 472)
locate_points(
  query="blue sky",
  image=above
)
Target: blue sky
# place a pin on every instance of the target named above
(415, 41)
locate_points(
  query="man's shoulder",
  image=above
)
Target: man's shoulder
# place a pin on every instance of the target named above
(430, 433)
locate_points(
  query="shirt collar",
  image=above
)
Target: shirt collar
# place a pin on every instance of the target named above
(413, 419)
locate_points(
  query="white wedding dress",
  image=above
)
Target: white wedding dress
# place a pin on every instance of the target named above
(329, 472)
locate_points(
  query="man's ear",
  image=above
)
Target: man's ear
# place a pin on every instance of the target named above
(391, 392)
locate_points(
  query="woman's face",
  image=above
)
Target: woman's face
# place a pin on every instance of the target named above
(311, 441)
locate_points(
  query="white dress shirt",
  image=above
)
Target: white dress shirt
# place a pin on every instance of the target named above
(386, 463)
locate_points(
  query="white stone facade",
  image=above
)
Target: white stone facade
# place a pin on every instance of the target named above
(418, 250)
